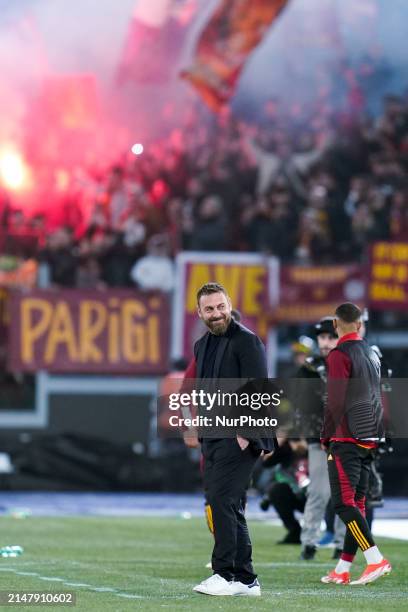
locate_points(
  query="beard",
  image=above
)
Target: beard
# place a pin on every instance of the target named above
(218, 326)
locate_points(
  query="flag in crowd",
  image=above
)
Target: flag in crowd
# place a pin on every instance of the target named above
(233, 32)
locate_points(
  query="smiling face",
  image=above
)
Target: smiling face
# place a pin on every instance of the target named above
(215, 311)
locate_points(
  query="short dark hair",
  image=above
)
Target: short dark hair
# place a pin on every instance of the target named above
(210, 288)
(348, 312)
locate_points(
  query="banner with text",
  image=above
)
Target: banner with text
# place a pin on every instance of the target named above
(115, 332)
(309, 293)
(250, 280)
(388, 279)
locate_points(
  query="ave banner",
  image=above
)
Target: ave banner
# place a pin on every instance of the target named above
(250, 280)
(234, 30)
(75, 331)
(388, 279)
(309, 293)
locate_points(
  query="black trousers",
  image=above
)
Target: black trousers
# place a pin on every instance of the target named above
(349, 470)
(227, 470)
(330, 516)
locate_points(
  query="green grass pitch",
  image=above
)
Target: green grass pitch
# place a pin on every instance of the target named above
(153, 563)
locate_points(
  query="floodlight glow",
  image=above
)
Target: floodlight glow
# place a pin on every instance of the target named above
(137, 149)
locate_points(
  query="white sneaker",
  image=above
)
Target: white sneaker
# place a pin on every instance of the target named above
(252, 590)
(214, 585)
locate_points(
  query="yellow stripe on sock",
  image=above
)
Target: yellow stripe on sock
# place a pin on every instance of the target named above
(362, 539)
(362, 536)
(209, 517)
(356, 536)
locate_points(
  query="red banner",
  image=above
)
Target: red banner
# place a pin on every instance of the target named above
(388, 282)
(115, 332)
(308, 294)
(250, 280)
(234, 30)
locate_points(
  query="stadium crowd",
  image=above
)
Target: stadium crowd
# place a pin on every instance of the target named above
(316, 190)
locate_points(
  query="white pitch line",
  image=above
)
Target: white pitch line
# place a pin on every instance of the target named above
(358, 593)
(126, 596)
(73, 584)
(105, 589)
(83, 585)
(345, 593)
(304, 564)
(21, 573)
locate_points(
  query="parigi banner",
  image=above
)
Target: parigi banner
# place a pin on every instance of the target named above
(115, 332)
(309, 293)
(250, 280)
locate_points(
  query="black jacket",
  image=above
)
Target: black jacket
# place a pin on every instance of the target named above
(354, 407)
(240, 355)
(363, 401)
